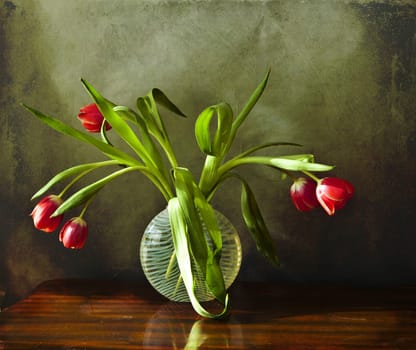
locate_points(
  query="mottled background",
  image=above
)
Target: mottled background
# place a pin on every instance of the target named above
(342, 84)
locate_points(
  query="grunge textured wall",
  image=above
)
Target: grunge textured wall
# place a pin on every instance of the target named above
(342, 84)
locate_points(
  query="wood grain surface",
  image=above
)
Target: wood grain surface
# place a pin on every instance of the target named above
(87, 314)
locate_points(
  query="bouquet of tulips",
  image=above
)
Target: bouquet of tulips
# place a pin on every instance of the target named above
(188, 199)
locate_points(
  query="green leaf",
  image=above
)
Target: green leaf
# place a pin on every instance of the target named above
(220, 143)
(103, 133)
(147, 141)
(184, 192)
(209, 218)
(152, 150)
(65, 129)
(256, 225)
(202, 130)
(214, 276)
(298, 165)
(147, 106)
(249, 105)
(197, 210)
(265, 145)
(306, 157)
(124, 112)
(160, 98)
(70, 172)
(180, 236)
(209, 174)
(285, 163)
(87, 192)
(150, 116)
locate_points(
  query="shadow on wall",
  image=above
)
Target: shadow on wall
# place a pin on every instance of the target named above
(342, 84)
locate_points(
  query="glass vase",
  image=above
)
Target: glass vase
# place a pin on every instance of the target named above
(157, 252)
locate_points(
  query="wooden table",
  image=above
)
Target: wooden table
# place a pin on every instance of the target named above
(85, 314)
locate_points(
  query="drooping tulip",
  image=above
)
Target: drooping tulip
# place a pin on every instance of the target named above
(303, 194)
(333, 193)
(41, 213)
(92, 119)
(74, 233)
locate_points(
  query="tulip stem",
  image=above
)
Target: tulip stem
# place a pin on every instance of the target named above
(312, 176)
(172, 261)
(67, 187)
(169, 153)
(86, 206)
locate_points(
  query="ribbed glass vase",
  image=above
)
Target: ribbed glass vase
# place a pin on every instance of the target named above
(156, 252)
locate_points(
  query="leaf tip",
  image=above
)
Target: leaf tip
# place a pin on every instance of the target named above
(56, 213)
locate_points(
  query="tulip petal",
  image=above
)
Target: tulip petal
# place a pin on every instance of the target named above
(327, 204)
(74, 233)
(42, 212)
(335, 182)
(92, 119)
(332, 192)
(303, 194)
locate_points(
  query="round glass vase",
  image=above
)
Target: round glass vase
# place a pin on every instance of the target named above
(157, 251)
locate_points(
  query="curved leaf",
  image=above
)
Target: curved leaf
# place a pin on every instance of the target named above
(65, 129)
(255, 96)
(103, 133)
(72, 172)
(221, 140)
(217, 145)
(305, 157)
(265, 145)
(298, 165)
(180, 236)
(197, 210)
(150, 115)
(184, 192)
(87, 192)
(147, 141)
(202, 130)
(147, 105)
(294, 164)
(160, 98)
(256, 225)
(124, 112)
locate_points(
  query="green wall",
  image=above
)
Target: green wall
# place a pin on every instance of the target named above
(342, 84)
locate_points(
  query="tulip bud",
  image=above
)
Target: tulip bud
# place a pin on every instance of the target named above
(92, 119)
(74, 233)
(333, 193)
(303, 194)
(42, 212)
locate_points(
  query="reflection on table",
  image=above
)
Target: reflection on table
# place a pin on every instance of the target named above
(83, 314)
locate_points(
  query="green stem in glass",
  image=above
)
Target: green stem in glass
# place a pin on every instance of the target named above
(171, 264)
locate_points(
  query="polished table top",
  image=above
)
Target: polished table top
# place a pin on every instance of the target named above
(85, 314)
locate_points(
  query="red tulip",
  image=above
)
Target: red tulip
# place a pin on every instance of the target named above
(333, 193)
(42, 212)
(74, 233)
(92, 119)
(303, 194)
